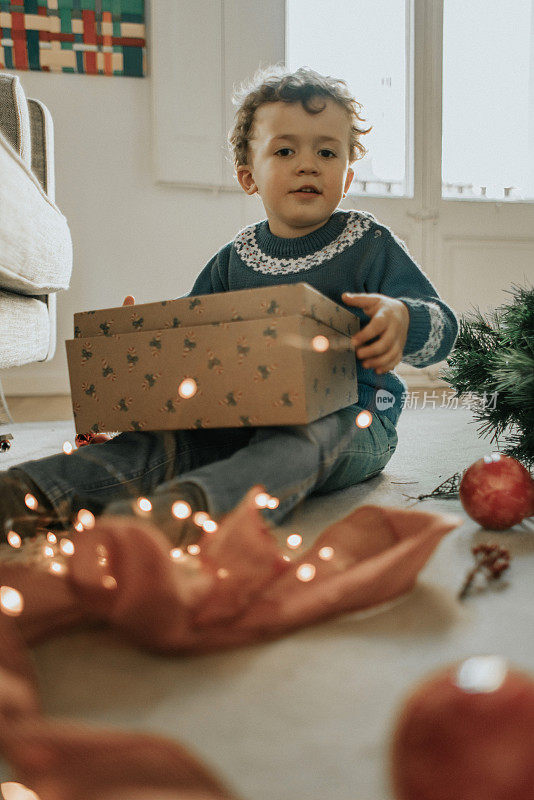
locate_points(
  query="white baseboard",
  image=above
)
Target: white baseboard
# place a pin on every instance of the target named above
(427, 377)
(33, 380)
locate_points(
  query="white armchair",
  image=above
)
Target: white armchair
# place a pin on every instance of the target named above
(35, 241)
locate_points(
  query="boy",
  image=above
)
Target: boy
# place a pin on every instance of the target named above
(294, 139)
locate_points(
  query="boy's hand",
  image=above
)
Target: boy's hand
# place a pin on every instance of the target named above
(390, 320)
(129, 300)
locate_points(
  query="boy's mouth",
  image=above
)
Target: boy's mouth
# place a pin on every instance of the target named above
(308, 190)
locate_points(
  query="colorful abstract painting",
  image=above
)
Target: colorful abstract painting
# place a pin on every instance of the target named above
(93, 37)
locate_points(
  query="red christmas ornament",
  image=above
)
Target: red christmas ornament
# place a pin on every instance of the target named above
(467, 733)
(497, 492)
(5, 441)
(91, 438)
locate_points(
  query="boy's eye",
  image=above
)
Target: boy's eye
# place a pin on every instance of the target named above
(324, 150)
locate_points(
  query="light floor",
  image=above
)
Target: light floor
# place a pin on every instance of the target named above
(310, 715)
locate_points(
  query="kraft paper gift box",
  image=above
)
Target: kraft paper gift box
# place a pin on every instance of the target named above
(278, 355)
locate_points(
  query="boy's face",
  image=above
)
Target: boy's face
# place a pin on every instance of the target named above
(291, 148)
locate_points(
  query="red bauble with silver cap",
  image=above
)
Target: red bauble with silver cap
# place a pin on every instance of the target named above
(497, 491)
(467, 732)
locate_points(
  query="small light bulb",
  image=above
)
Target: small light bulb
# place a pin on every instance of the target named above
(286, 558)
(86, 518)
(181, 509)
(11, 601)
(30, 501)
(187, 388)
(58, 568)
(144, 504)
(326, 553)
(67, 448)
(320, 343)
(109, 582)
(273, 502)
(51, 537)
(66, 547)
(364, 419)
(294, 541)
(79, 527)
(17, 791)
(14, 539)
(306, 572)
(193, 549)
(48, 551)
(177, 553)
(200, 518)
(261, 499)
(210, 526)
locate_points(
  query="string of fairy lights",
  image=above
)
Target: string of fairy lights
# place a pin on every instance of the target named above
(52, 552)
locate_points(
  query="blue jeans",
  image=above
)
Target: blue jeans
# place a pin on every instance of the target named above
(291, 462)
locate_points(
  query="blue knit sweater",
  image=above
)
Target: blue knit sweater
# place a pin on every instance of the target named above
(351, 252)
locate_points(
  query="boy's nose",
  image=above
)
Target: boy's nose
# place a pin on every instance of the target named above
(307, 165)
(307, 162)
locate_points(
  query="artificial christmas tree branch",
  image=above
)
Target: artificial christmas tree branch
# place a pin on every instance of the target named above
(495, 357)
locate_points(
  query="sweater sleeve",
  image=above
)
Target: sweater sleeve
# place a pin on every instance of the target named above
(433, 327)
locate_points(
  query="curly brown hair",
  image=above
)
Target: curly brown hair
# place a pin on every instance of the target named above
(276, 82)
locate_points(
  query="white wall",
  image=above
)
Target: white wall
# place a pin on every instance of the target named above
(130, 235)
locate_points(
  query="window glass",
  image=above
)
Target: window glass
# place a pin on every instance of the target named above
(363, 42)
(488, 100)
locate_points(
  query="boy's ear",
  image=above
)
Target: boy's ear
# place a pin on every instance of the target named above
(348, 179)
(246, 179)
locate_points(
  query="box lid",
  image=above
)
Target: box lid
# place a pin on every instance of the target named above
(243, 304)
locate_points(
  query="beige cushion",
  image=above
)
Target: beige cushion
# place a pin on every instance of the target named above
(35, 241)
(24, 330)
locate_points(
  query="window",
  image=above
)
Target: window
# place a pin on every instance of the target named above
(488, 99)
(368, 44)
(487, 89)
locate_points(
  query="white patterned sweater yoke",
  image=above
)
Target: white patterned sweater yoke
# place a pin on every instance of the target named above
(351, 252)
(250, 253)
